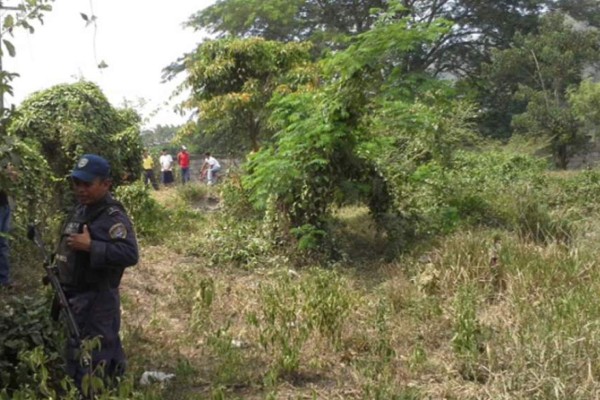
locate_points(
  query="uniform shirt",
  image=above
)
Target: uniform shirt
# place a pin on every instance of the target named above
(166, 162)
(113, 239)
(148, 163)
(113, 247)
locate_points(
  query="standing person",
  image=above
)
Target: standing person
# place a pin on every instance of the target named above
(183, 158)
(148, 166)
(5, 217)
(166, 167)
(212, 167)
(4, 248)
(97, 244)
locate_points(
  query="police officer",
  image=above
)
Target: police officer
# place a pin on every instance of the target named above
(97, 244)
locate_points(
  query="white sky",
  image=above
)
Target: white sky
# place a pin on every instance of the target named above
(136, 38)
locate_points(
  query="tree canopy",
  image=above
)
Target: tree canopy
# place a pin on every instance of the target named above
(231, 81)
(544, 66)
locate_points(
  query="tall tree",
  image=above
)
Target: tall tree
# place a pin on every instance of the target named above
(587, 11)
(361, 129)
(231, 81)
(321, 21)
(159, 135)
(478, 25)
(545, 66)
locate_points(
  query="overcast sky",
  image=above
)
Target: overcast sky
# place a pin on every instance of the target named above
(136, 38)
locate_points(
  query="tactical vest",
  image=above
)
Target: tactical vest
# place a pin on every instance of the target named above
(74, 270)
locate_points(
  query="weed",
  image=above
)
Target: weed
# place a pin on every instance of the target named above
(378, 368)
(282, 330)
(327, 303)
(230, 364)
(192, 192)
(203, 300)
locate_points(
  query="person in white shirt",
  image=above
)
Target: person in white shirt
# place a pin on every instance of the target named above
(166, 167)
(212, 167)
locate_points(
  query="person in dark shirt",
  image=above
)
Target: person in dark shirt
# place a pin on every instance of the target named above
(97, 244)
(4, 248)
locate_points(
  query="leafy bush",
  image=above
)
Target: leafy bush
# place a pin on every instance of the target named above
(491, 188)
(30, 179)
(26, 325)
(235, 198)
(243, 245)
(148, 216)
(192, 193)
(577, 192)
(76, 119)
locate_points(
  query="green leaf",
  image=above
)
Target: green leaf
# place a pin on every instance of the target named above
(9, 46)
(9, 22)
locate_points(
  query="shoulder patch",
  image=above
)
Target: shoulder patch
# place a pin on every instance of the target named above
(118, 231)
(114, 210)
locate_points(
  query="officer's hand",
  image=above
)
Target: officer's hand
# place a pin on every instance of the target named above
(80, 241)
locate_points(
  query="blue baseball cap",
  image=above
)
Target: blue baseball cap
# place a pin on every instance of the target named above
(90, 167)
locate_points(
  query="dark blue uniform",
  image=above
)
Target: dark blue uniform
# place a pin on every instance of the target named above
(91, 282)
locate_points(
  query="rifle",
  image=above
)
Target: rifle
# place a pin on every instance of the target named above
(60, 299)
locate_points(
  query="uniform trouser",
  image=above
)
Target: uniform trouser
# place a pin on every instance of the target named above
(4, 228)
(97, 313)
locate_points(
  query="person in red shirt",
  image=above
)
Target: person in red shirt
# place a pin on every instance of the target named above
(183, 158)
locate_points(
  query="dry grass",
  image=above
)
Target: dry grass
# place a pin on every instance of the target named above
(528, 336)
(440, 322)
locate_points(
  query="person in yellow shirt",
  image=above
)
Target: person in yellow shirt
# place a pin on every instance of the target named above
(148, 166)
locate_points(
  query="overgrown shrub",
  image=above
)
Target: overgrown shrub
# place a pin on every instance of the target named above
(69, 120)
(239, 244)
(491, 188)
(236, 199)
(148, 216)
(26, 325)
(192, 193)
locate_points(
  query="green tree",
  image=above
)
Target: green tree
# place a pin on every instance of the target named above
(585, 102)
(322, 22)
(159, 135)
(478, 25)
(339, 138)
(231, 81)
(587, 11)
(544, 66)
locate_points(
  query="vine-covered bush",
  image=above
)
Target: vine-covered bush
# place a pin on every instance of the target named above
(69, 120)
(356, 133)
(25, 174)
